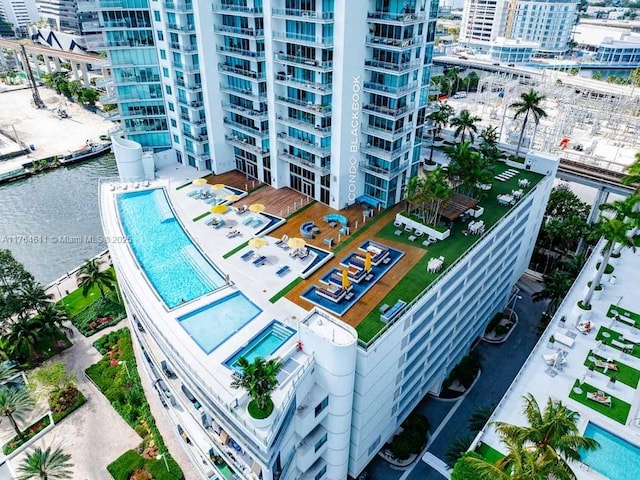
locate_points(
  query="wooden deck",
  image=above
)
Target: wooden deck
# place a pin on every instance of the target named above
(234, 179)
(281, 201)
(373, 297)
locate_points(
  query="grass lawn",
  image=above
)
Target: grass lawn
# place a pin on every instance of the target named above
(130, 461)
(285, 290)
(489, 453)
(625, 374)
(200, 217)
(452, 248)
(618, 411)
(75, 302)
(613, 335)
(615, 310)
(235, 250)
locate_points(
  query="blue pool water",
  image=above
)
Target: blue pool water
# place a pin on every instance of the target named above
(616, 458)
(264, 344)
(211, 325)
(174, 266)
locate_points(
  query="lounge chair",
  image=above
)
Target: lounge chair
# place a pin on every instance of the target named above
(209, 220)
(256, 223)
(233, 233)
(282, 241)
(607, 365)
(247, 221)
(219, 223)
(246, 256)
(585, 327)
(193, 193)
(600, 397)
(242, 210)
(259, 261)
(282, 270)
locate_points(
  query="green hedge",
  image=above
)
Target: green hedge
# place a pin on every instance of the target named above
(99, 315)
(57, 416)
(28, 433)
(123, 389)
(130, 461)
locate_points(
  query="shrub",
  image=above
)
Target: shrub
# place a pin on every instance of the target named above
(58, 416)
(28, 433)
(401, 447)
(463, 470)
(502, 330)
(102, 313)
(417, 422)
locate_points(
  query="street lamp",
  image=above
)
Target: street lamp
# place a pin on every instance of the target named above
(126, 367)
(513, 305)
(166, 464)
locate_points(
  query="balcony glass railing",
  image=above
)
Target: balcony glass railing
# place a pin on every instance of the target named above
(239, 51)
(323, 109)
(305, 163)
(382, 132)
(245, 144)
(386, 171)
(183, 6)
(395, 17)
(299, 37)
(396, 67)
(301, 83)
(223, 67)
(379, 87)
(305, 62)
(261, 114)
(390, 112)
(188, 85)
(309, 127)
(307, 14)
(181, 28)
(249, 32)
(393, 42)
(186, 68)
(307, 145)
(246, 128)
(226, 8)
(384, 153)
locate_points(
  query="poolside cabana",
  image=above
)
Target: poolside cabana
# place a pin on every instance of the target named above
(457, 205)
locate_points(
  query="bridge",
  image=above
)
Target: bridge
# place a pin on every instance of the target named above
(78, 61)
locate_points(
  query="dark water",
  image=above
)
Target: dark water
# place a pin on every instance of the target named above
(51, 221)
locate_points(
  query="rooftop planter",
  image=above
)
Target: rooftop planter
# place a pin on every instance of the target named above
(438, 233)
(259, 380)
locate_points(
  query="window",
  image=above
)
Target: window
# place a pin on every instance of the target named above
(160, 35)
(320, 443)
(374, 445)
(167, 89)
(176, 139)
(163, 54)
(174, 124)
(171, 107)
(156, 15)
(321, 406)
(165, 72)
(320, 473)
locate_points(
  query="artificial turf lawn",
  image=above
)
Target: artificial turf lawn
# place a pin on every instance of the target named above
(200, 217)
(489, 453)
(235, 250)
(618, 411)
(285, 290)
(625, 374)
(613, 310)
(452, 248)
(614, 335)
(75, 302)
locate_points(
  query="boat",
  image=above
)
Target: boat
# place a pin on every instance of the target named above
(90, 150)
(13, 175)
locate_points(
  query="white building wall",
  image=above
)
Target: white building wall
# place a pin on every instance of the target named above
(19, 12)
(128, 159)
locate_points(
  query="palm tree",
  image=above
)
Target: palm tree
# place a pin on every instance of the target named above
(51, 317)
(556, 287)
(627, 209)
(90, 274)
(22, 339)
(47, 464)
(15, 403)
(614, 231)
(34, 295)
(553, 431)
(7, 370)
(465, 124)
(529, 104)
(440, 119)
(633, 174)
(259, 379)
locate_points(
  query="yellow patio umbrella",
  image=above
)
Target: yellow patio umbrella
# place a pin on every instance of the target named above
(258, 242)
(345, 279)
(367, 262)
(256, 208)
(218, 209)
(296, 243)
(217, 186)
(199, 181)
(232, 198)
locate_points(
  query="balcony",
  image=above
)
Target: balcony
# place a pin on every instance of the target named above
(183, 48)
(307, 15)
(389, 112)
(197, 121)
(243, 32)
(395, 18)
(308, 127)
(226, 9)
(307, 106)
(383, 153)
(246, 128)
(304, 62)
(311, 448)
(392, 43)
(394, 67)
(306, 145)
(186, 68)
(191, 103)
(290, 81)
(386, 134)
(189, 86)
(384, 172)
(196, 138)
(225, 68)
(304, 163)
(109, 97)
(138, 79)
(256, 114)
(181, 28)
(245, 145)
(304, 39)
(239, 52)
(179, 6)
(390, 89)
(242, 92)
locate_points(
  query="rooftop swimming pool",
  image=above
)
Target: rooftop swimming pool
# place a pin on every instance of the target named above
(616, 458)
(211, 325)
(174, 266)
(264, 344)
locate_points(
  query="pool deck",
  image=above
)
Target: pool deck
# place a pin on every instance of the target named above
(533, 377)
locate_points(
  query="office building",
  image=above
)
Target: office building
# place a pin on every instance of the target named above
(19, 13)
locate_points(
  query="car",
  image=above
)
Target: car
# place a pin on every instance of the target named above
(463, 57)
(496, 64)
(459, 95)
(511, 65)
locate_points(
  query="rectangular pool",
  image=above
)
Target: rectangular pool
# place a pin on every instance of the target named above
(211, 325)
(264, 344)
(616, 458)
(175, 267)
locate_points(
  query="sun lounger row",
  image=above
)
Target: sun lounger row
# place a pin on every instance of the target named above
(600, 397)
(335, 294)
(233, 234)
(282, 270)
(300, 253)
(252, 222)
(391, 313)
(247, 255)
(282, 243)
(258, 262)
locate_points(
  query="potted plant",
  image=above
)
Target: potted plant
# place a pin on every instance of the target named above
(429, 165)
(591, 369)
(259, 379)
(612, 382)
(552, 340)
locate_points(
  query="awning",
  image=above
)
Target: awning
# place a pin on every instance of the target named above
(368, 200)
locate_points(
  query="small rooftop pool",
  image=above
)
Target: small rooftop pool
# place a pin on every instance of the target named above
(173, 264)
(264, 344)
(616, 458)
(213, 324)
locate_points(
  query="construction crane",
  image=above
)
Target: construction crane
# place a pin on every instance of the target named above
(37, 101)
